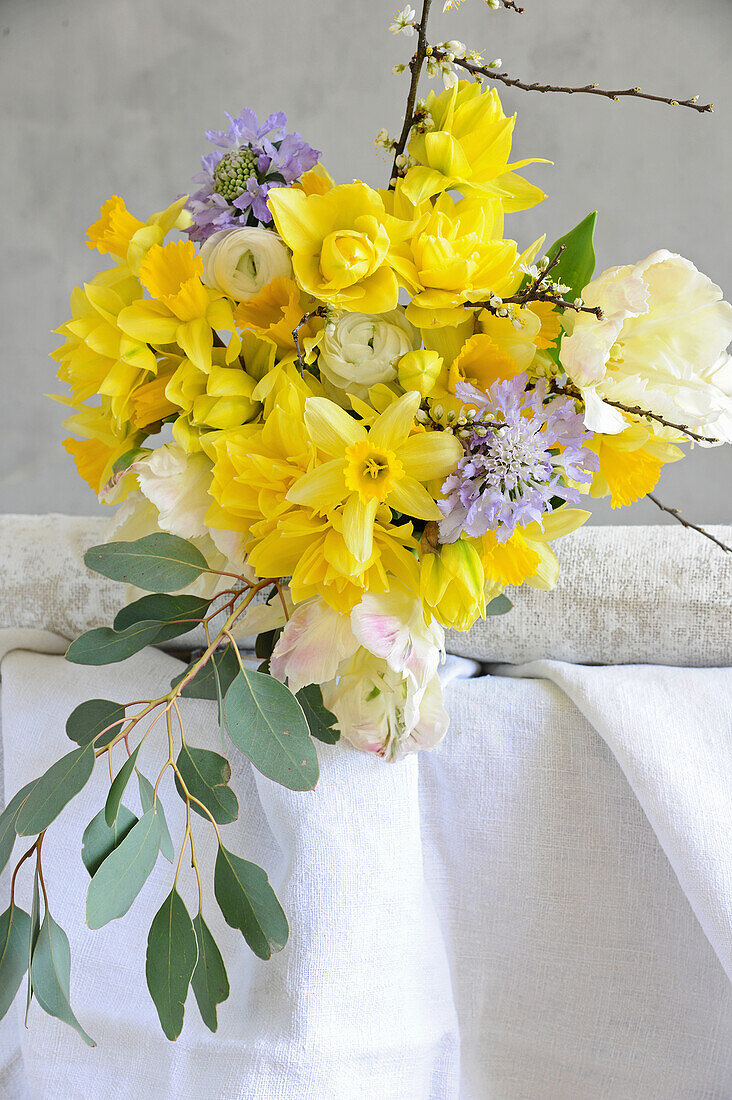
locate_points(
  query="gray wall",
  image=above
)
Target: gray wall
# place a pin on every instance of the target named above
(103, 96)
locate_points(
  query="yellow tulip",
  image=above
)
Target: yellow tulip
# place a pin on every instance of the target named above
(452, 584)
(419, 370)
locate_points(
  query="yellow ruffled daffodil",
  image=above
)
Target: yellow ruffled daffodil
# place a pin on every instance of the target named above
(630, 463)
(340, 245)
(217, 399)
(121, 234)
(467, 149)
(526, 556)
(181, 309)
(362, 469)
(456, 255)
(274, 313)
(104, 443)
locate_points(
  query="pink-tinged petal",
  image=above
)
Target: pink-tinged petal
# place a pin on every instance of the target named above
(313, 644)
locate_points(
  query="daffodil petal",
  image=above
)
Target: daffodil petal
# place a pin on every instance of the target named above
(430, 455)
(330, 427)
(411, 498)
(322, 488)
(358, 526)
(395, 423)
(196, 340)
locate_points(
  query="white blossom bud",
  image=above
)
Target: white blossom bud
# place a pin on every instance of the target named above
(398, 69)
(495, 63)
(494, 4)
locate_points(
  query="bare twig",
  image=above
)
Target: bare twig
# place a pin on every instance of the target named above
(537, 291)
(587, 89)
(636, 410)
(686, 523)
(512, 6)
(415, 66)
(319, 312)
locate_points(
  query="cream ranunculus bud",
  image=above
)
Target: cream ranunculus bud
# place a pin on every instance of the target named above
(361, 350)
(239, 262)
(418, 370)
(660, 346)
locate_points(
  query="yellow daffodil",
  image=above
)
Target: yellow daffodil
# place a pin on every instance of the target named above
(467, 149)
(120, 233)
(362, 469)
(455, 255)
(630, 463)
(219, 398)
(315, 182)
(452, 584)
(340, 245)
(181, 309)
(104, 444)
(275, 312)
(526, 556)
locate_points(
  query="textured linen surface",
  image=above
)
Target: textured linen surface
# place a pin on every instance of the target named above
(538, 910)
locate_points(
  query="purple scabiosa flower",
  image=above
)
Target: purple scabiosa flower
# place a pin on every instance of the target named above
(517, 459)
(248, 160)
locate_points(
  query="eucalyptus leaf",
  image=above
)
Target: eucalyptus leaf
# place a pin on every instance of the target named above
(105, 646)
(124, 872)
(8, 819)
(35, 927)
(147, 799)
(319, 719)
(249, 903)
(15, 928)
(172, 953)
(206, 775)
(89, 719)
(54, 790)
(210, 982)
(577, 263)
(264, 719)
(155, 563)
(119, 786)
(100, 838)
(51, 975)
(203, 685)
(499, 605)
(185, 611)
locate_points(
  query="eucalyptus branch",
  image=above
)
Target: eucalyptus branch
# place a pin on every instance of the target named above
(415, 66)
(687, 523)
(636, 410)
(587, 89)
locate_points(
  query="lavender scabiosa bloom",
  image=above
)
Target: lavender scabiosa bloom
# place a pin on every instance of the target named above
(247, 162)
(514, 463)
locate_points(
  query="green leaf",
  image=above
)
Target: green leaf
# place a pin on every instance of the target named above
(319, 718)
(577, 264)
(264, 719)
(156, 563)
(147, 798)
(185, 611)
(51, 974)
(100, 839)
(203, 684)
(125, 461)
(499, 605)
(8, 819)
(35, 927)
(206, 775)
(15, 928)
(124, 872)
(89, 719)
(249, 903)
(104, 646)
(172, 953)
(54, 790)
(210, 983)
(119, 786)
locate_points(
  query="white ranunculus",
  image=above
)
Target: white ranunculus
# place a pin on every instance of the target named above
(311, 647)
(660, 346)
(377, 711)
(359, 350)
(239, 262)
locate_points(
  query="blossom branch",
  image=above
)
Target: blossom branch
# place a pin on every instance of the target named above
(319, 312)
(539, 290)
(511, 5)
(415, 66)
(636, 410)
(687, 523)
(587, 89)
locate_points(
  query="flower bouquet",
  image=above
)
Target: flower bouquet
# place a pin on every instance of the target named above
(340, 419)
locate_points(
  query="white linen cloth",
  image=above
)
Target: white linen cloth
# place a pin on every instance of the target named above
(541, 909)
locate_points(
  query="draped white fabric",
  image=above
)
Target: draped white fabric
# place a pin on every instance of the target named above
(541, 909)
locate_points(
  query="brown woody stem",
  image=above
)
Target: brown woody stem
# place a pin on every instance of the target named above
(687, 523)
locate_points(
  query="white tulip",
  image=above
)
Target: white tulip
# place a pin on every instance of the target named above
(239, 262)
(660, 346)
(360, 350)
